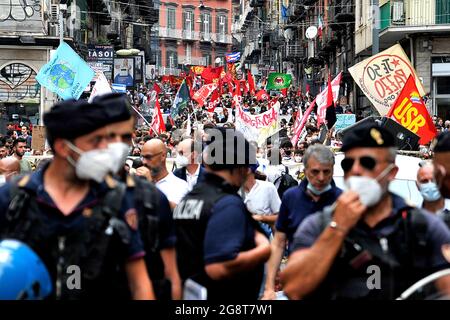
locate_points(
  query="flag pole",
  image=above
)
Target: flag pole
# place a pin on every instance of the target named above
(145, 120)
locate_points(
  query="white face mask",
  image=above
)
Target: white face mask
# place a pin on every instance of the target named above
(181, 161)
(119, 152)
(2, 179)
(368, 189)
(91, 165)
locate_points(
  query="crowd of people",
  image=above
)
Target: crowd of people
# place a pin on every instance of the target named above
(200, 209)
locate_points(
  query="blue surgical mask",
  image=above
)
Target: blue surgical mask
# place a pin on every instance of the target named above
(316, 191)
(429, 191)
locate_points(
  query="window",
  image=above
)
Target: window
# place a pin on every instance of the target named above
(172, 61)
(443, 85)
(207, 59)
(188, 24)
(188, 54)
(221, 27)
(206, 26)
(171, 18)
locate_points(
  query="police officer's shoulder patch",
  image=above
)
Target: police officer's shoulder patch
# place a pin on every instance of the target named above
(131, 218)
(445, 249)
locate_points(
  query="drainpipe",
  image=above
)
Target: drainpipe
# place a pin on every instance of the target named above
(411, 46)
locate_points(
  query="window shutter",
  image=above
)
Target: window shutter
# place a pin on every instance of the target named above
(217, 24)
(202, 26)
(192, 21)
(167, 59)
(184, 20)
(226, 25)
(210, 23)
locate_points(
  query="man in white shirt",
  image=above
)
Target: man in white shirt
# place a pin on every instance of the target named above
(154, 155)
(261, 199)
(188, 162)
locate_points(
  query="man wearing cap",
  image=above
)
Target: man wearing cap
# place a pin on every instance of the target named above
(73, 214)
(218, 244)
(156, 224)
(370, 244)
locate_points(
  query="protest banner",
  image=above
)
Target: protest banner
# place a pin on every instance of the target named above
(344, 120)
(382, 77)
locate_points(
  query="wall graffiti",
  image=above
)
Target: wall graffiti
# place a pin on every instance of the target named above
(18, 10)
(18, 84)
(22, 16)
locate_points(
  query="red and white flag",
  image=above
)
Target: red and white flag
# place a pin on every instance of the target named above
(300, 122)
(157, 123)
(214, 101)
(322, 99)
(201, 95)
(262, 95)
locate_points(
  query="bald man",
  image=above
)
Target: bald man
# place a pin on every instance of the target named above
(188, 162)
(9, 167)
(426, 183)
(154, 155)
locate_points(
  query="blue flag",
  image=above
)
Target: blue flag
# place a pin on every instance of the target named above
(232, 57)
(284, 12)
(66, 74)
(181, 100)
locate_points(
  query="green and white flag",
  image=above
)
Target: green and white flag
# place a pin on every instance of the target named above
(278, 81)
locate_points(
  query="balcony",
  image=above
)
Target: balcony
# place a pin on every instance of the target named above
(398, 19)
(166, 71)
(205, 37)
(295, 52)
(222, 38)
(237, 26)
(194, 61)
(191, 35)
(169, 33)
(342, 14)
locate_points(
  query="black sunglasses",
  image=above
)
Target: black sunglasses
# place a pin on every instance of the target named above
(366, 162)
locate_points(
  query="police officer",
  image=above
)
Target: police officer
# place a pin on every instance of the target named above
(218, 244)
(72, 214)
(368, 230)
(155, 221)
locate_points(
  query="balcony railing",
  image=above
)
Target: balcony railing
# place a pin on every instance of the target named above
(189, 60)
(205, 36)
(191, 35)
(222, 38)
(166, 71)
(165, 32)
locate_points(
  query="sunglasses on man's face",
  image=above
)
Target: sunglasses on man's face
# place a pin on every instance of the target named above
(366, 162)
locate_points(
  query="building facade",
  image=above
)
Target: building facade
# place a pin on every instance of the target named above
(191, 33)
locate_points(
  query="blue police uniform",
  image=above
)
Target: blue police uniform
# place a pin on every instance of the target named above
(297, 204)
(401, 263)
(55, 226)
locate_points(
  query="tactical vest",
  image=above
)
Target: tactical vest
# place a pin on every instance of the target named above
(401, 259)
(191, 218)
(93, 247)
(147, 203)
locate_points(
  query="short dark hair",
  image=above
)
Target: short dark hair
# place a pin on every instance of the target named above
(16, 142)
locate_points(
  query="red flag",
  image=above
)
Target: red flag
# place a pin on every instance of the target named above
(201, 95)
(171, 120)
(262, 95)
(308, 89)
(244, 84)
(214, 101)
(410, 111)
(251, 82)
(299, 91)
(237, 88)
(157, 120)
(156, 88)
(284, 92)
(211, 75)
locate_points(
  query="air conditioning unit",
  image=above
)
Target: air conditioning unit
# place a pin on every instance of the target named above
(53, 30)
(54, 13)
